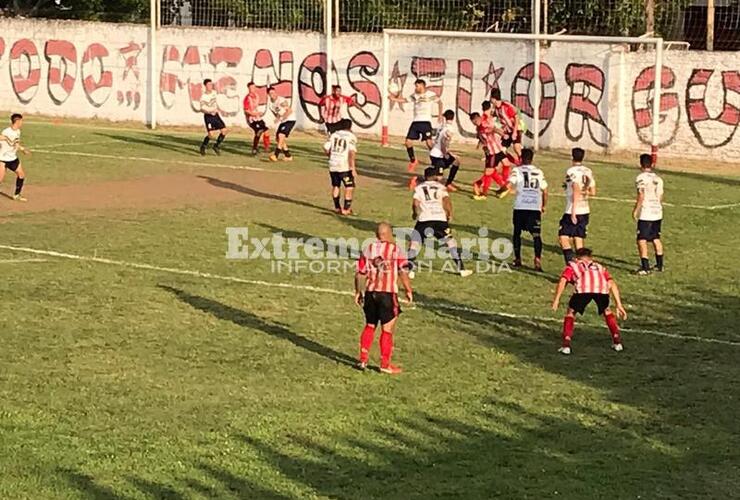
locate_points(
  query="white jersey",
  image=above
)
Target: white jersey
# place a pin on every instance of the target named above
(423, 105)
(279, 106)
(430, 195)
(339, 146)
(9, 144)
(529, 182)
(442, 140)
(581, 178)
(651, 187)
(208, 102)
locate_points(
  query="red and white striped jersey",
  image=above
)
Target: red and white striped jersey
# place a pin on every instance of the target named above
(508, 117)
(251, 103)
(587, 277)
(487, 137)
(380, 262)
(335, 109)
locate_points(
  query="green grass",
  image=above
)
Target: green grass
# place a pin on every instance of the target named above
(118, 382)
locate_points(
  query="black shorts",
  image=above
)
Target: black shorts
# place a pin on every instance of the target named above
(649, 230)
(13, 165)
(577, 230)
(436, 228)
(579, 301)
(420, 131)
(515, 138)
(213, 122)
(527, 220)
(285, 128)
(442, 162)
(342, 124)
(496, 159)
(380, 307)
(258, 126)
(339, 178)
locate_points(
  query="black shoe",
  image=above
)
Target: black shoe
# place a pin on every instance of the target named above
(217, 150)
(517, 264)
(202, 150)
(255, 152)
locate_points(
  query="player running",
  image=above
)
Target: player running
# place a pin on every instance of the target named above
(579, 186)
(421, 126)
(432, 210)
(531, 198)
(508, 117)
(648, 213)
(334, 110)
(10, 144)
(284, 123)
(592, 282)
(376, 291)
(213, 121)
(342, 149)
(255, 118)
(440, 154)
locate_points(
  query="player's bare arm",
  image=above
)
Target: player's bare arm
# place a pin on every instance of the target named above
(576, 198)
(638, 205)
(397, 98)
(614, 289)
(406, 283)
(415, 209)
(544, 200)
(559, 293)
(447, 205)
(440, 110)
(352, 164)
(359, 287)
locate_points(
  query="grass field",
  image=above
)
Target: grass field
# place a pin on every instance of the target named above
(127, 372)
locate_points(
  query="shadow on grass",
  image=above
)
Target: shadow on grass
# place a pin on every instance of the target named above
(254, 322)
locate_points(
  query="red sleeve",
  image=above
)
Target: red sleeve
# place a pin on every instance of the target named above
(362, 264)
(401, 260)
(246, 104)
(607, 276)
(349, 100)
(322, 100)
(568, 274)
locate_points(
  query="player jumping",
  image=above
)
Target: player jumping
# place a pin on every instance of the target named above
(334, 110)
(648, 213)
(508, 117)
(284, 122)
(531, 197)
(432, 211)
(592, 282)
(255, 118)
(579, 185)
(213, 121)
(376, 291)
(495, 157)
(10, 144)
(421, 126)
(342, 148)
(440, 154)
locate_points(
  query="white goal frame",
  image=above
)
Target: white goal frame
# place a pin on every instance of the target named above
(658, 43)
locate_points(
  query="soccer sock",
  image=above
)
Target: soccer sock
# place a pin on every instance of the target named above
(537, 246)
(220, 139)
(453, 173)
(569, 324)
(505, 171)
(347, 204)
(336, 202)
(206, 140)
(266, 140)
(455, 254)
(644, 263)
(659, 261)
(497, 178)
(516, 239)
(255, 142)
(611, 322)
(277, 152)
(487, 181)
(366, 341)
(568, 254)
(410, 152)
(287, 153)
(386, 348)
(19, 185)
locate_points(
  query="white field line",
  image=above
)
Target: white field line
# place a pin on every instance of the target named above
(157, 160)
(625, 200)
(21, 261)
(292, 286)
(60, 144)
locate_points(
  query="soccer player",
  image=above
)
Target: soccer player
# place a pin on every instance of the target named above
(10, 144)
(648, 213)
(579, 186)
(531, 198)
(508, 116)
(212, 119)
(432, 210)
(592, 282)
(376, 291)
(440, 154)
(284, 121)
(421, 126)
(341, 149)
(485, 129)
(255, 118)
(334, 110)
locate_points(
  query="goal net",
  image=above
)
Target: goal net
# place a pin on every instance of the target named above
(598, 93)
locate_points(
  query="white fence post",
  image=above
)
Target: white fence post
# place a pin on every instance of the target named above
(153, 75)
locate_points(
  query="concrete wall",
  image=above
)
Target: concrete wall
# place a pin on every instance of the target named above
(595, 96)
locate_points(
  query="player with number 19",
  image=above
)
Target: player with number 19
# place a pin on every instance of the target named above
(341, 149)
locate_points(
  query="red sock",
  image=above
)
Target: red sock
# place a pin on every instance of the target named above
(505, 171)
(611, 322)
(498, 179)
(266, 140)
(366, 341)
(487, 181)
(386, 348)
(569, 324)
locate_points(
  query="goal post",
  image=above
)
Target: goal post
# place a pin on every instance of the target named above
(582, 79)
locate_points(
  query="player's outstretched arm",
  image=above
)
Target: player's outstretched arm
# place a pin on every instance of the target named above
(397, 98)
(558, 293)
(621, 312)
